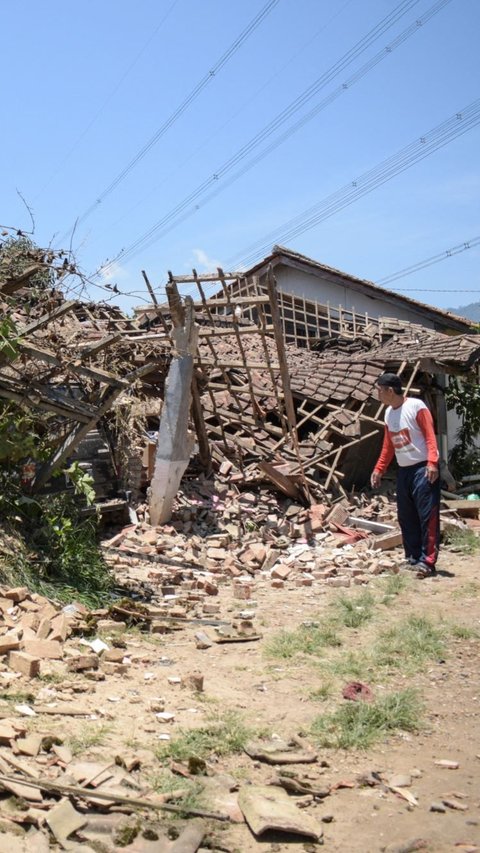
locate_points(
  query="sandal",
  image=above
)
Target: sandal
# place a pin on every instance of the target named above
(424, 571)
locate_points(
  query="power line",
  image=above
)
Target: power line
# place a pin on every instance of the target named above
(107, 100)
(458, 124)
(234, 115)
(191, 203)
(193, 95)
(428, 262)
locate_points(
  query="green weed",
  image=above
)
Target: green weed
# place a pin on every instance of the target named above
(464, 541)
(409, 643)
(470, 589)
(221, 735)
(351, 664)
(357, 725)
(463, 632)
(87, 737)
(190, 791)
(307, 640)
(392, 587)
(354, 611)
(321, 693)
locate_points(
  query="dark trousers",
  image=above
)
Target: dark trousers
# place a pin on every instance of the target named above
(418, 504)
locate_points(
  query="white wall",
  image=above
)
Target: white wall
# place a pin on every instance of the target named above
(316, 287)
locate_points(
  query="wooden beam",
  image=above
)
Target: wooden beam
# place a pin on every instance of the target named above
(12, 284)
(188, 279)
(45, 319)
(75, 366)
(249, 330)
(36, 398)
(75, 436)
(241, 300)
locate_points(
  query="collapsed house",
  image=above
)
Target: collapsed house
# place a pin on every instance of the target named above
(251, 383)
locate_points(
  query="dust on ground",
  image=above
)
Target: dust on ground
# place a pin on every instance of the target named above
(278, 695)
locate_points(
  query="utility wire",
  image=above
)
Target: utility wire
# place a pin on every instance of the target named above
(191, 203)
(206, 79)
(107, 100)
(234, 115)
(428, 262)
(441, 135)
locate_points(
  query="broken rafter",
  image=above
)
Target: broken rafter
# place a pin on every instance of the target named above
(12, 284)
(38, 398)
(73, 366)
(75, 436)
(45, 319)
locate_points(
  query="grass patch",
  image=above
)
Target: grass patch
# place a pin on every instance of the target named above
(463, 632)
(352, 611)
(357, 725)
(409, 643)
(87, 737)
(220, 736)
(190, 791)
(18, 697)
(393, 586)
(464, 541)
(51, 677)
(357, 665)
(322, 693)
(306, 640)
(470, 589)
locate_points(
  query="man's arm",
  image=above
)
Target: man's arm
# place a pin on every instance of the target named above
(386, 455)
(425, 422)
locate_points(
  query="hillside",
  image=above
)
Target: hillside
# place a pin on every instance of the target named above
(471, 311)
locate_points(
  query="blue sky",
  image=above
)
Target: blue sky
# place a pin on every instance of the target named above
(87, 86)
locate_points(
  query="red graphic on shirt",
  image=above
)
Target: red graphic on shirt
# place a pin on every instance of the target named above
(401, 438)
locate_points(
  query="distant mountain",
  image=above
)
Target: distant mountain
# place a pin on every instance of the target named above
(471, 311)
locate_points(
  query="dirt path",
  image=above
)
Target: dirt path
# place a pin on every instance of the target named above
(284, 695)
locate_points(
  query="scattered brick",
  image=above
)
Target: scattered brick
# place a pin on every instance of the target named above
(24, 663)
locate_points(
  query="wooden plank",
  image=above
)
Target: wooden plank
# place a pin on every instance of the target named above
(45, 319)
(249, 330)
(240, 300)
(76, 435)
(281, 481)
(13, 284)
(158, 310)
(231, 365)
(188, 279)
(75, 366)
(103, 343)
(35, 397)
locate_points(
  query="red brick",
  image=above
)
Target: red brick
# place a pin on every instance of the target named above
(24, 663)
(44, 628)
(18, 593)
(82, 662)
(44, 649)
(8, 643)
(281, 571)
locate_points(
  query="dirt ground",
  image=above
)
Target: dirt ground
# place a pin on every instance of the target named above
(276, 694)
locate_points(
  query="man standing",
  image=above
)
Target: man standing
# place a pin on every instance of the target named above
(409, 435)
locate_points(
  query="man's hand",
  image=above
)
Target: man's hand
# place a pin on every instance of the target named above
(375, 479)
(431, 473)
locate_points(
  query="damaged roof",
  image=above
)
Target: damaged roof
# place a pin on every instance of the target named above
(282, 255)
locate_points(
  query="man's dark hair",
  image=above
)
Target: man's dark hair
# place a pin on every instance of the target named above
(390, 380)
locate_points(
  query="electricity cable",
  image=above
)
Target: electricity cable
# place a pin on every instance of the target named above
(428, 262)
(183, 210)
(455, 126)
(192, 96)
(233, 116)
